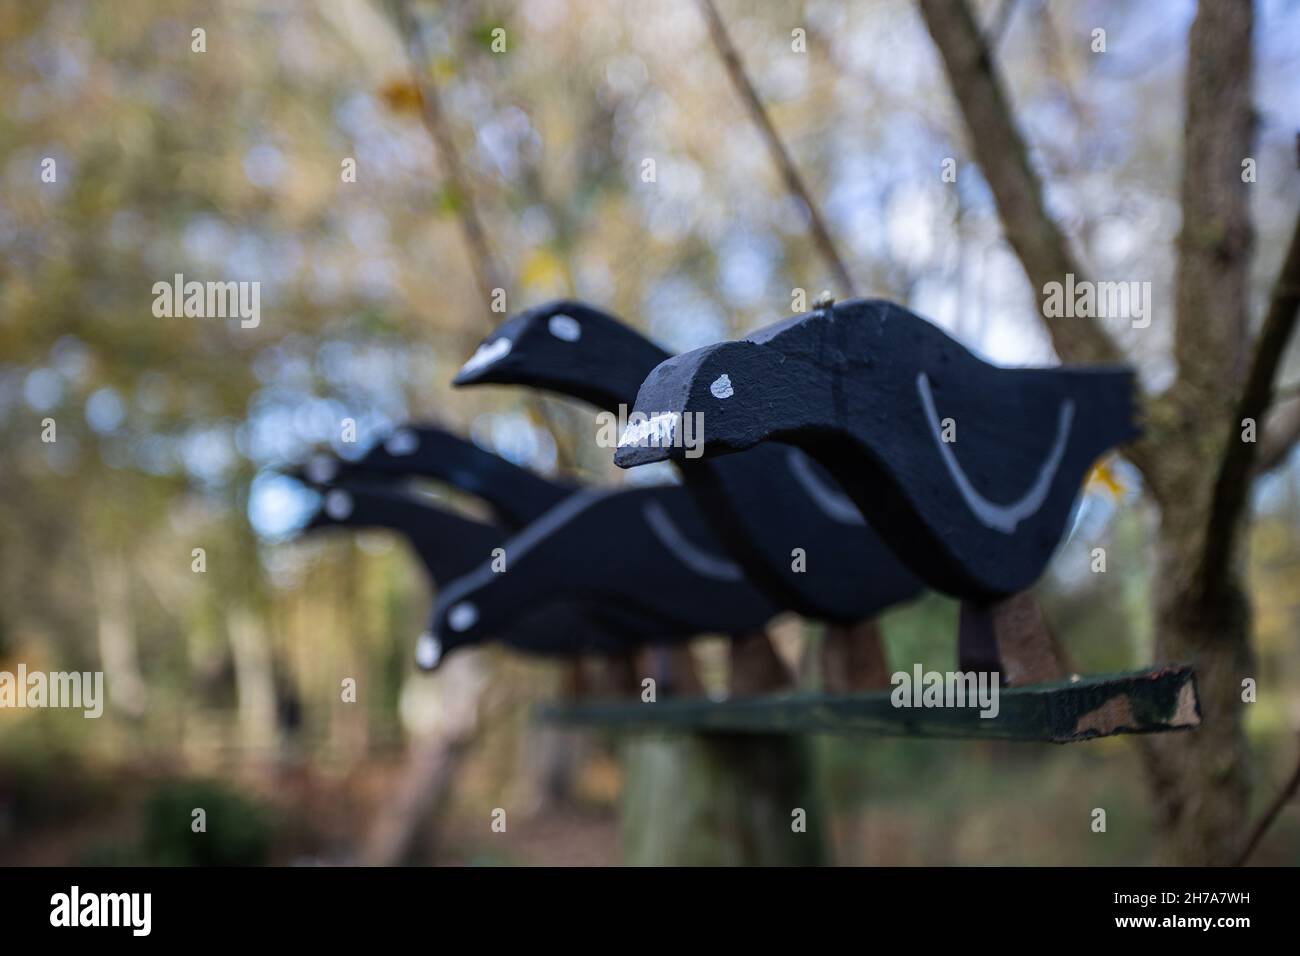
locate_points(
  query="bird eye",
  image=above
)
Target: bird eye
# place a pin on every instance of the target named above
(402, 442)
(721, 387)
(462, 616)
(564, 327)
(322, 469)
(338, 504)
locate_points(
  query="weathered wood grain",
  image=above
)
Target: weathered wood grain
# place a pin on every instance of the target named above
(1080, 708)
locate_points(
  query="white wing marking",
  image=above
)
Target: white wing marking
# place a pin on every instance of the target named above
(696, 558)
(1002, 518)
(835, 503)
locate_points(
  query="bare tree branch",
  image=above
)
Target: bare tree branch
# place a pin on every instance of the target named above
(1284, 796)
(486, 272)
(1043, 249)
(780, 155)
(1241, 459)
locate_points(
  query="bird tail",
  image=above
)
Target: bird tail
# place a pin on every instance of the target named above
(1107, 402)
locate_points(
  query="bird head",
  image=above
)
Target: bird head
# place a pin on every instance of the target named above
(388, 459)
(456, 621)
(566, 347)
(716, 400)
(338, 507)
(546, 336)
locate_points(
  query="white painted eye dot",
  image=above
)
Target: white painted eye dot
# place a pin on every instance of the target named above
(721, 387)
(338, 504)
(322, 469)
(428, 651)
(402, 442)
(564, 327)
(462, 616)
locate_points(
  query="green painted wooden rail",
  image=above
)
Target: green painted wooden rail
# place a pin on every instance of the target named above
(1079, 708)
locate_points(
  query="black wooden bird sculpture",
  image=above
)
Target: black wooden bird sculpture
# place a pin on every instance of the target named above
(780, 514)
(641, 549)
(451, 545)
(516, 495)
(448, 544)
(968, 470)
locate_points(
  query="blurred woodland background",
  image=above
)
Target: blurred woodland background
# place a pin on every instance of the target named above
(224, 686)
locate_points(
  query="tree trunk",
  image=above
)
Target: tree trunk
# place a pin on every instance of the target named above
(434, 754)
(1200, 781)
(254, 683)
(1195, 463)
(116, 632)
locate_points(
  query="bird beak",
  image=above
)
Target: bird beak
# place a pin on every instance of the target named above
(657, 426)
(428, 651)
(483, 361)
(648, 441)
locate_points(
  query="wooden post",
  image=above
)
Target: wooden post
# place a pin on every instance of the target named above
(692, 799)
(853, 658)
(721, 800)
(1029, 649)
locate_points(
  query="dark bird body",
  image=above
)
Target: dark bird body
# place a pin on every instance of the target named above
(450, 545)
(871, 390)
(516, 495)
(640, 549)
(763, 504)
(519, 497)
